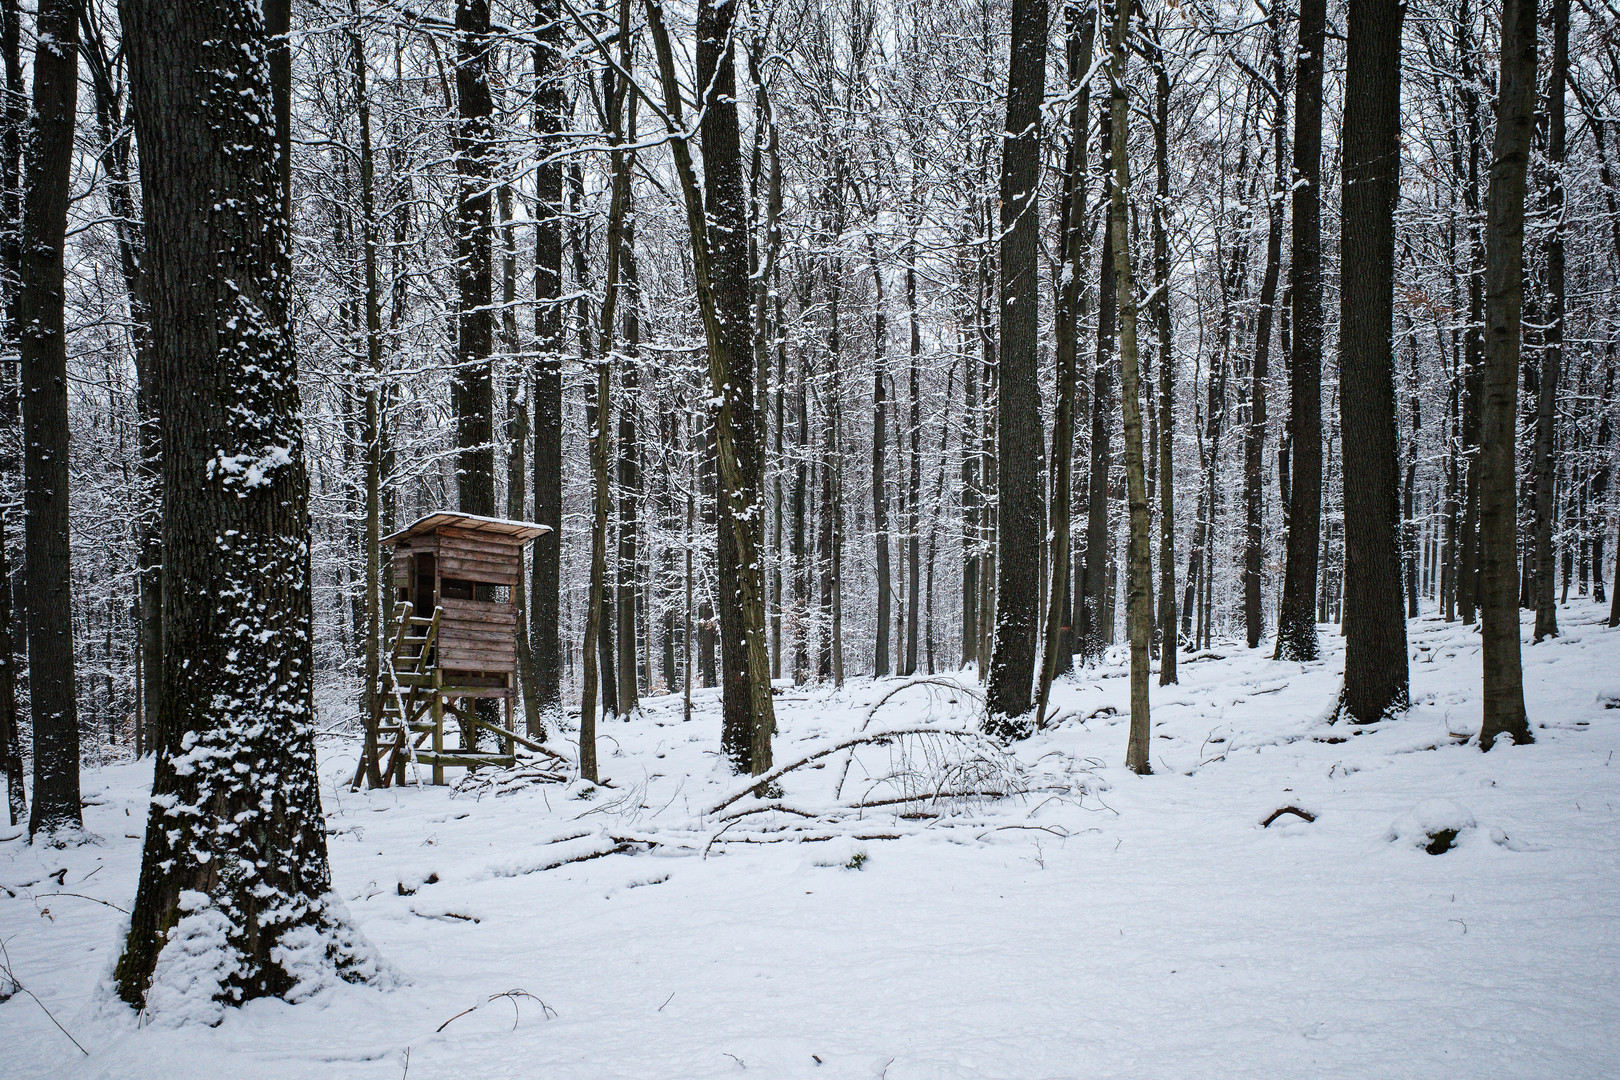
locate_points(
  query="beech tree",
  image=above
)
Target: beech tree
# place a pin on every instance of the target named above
(1375, 676)
(235, 852)
(1296, 622)
(43, 349)
(1504, 302)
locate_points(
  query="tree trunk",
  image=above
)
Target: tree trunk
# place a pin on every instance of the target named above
(1139, 574)
(1254, 441)
(1094, 629)
(371, 433)
(1468, 562)
(629, 464)
(471, 387)
(880, 494)
(13, 122)
(1018, 445)
(1504, 297)
(545, 615)
(1296, 623)
(597, 654)
(1081, 28)
(1375, 672)
(1553, 333)
(234, 739)
(43, 346)
(717, 225)
(1160, 309)
(914, 501)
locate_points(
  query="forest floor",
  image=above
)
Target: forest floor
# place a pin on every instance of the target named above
(1098, 924)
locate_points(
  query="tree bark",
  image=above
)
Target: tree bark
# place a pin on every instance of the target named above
(1296, 624)
(1094, 628)
(472, 388)
(717, 225)
(13, 124)
(1139, 575)
(1375, 674)
(1081, 28)
(371, 432)
(880, 494)
(545, 614)
(48, 585)
(1552, 346)
(1160, 310)
(1018, 445)
(1254, 441)
(234, 739)
(1504, 713)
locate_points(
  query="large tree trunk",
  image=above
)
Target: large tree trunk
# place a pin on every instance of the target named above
(472, 387)
(1139, 574)
(545, 614)
(1018, 546)
(43, 346)
(597, 653)
(717, 225)
(1160, 309)
(1553, 333)
(1081, 28)
(234, 739)
(1296, 623)
(1504, 299)
(1254, 437)
(1375, 664)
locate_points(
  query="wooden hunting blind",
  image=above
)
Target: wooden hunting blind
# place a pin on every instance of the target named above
(455, 628)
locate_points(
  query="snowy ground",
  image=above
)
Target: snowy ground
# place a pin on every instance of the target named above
(1100, 925)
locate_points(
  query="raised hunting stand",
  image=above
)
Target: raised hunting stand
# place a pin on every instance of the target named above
(454, 642)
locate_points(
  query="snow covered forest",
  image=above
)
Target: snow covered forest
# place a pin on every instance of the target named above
(976, 502)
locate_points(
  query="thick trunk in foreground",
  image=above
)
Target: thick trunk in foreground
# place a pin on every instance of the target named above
(43, 346)
(234, 739)
(1375, 664)
(1504, 301)
(1018, 555)
(1296, 623)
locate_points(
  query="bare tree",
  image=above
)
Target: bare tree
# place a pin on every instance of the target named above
(1504, 301)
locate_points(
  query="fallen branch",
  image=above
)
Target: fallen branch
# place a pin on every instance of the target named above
(764, 779)
(1281, 810)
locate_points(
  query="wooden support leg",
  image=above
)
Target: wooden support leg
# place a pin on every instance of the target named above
(438, 737)
(509, 748)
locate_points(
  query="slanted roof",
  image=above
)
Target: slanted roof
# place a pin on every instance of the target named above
(497, 529)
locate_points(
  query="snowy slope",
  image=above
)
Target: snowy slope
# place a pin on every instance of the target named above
(1099, 925)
